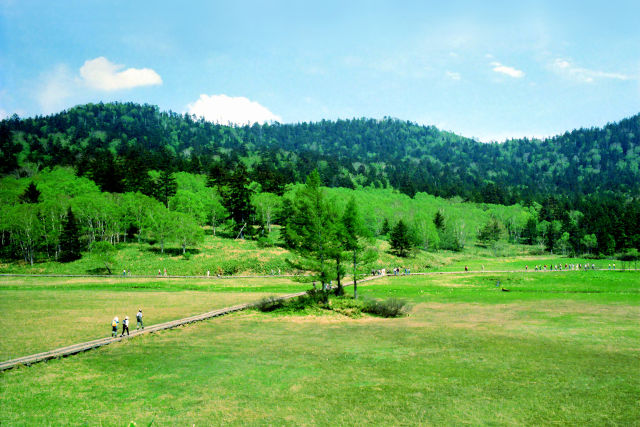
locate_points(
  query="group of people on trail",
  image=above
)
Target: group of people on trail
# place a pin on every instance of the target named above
(160, 272)
(560, 267)
(125, 324)
(396, 271)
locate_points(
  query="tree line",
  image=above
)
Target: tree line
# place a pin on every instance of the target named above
(57, 215)
(115, 145)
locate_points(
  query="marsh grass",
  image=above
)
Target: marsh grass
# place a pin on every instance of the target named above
(40, 314)
(557, 349)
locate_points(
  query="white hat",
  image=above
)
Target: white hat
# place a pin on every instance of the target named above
(127, 317)
(115, 318)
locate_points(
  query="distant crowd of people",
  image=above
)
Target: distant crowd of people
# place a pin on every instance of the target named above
(396, 271)
(567, 267)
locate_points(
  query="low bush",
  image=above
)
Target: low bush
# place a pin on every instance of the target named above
(268, 304)
(392, 307)
(317, 301)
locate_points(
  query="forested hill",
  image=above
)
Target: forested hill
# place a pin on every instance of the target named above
(115, 143)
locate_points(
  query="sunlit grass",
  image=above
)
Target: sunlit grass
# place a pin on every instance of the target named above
(558, 348)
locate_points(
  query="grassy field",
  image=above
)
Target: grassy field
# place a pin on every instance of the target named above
(559, 348)
(244, 257)
(41, 314)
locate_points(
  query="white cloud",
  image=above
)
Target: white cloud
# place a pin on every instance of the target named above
(453, 75)
(225, 109)
(509, 71)
(62, 86)
(585, 75)
(102, 74)
(57, 87)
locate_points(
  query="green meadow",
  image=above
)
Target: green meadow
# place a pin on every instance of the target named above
(558, 348)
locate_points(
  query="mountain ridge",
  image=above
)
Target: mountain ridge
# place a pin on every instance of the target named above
(94, 138)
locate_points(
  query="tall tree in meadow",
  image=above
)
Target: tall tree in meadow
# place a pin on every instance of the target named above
(187, 232)
(161, 225)
(266, 204)
(400, 239)
(309, 229)
(236, 196)
(70, 245)
(353, 238)
(491, 232)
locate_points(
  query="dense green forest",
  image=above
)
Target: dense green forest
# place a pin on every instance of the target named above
(121, 172)
(113, 143)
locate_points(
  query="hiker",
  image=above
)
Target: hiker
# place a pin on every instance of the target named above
(139, 323)
(208, 273)
(124, 272)
(165, 271)
(114, 327)
(466, 268)
(125, 326)
(159, 272)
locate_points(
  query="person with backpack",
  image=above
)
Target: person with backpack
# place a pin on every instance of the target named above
(139, 323)
(114, 327)
(125, 326)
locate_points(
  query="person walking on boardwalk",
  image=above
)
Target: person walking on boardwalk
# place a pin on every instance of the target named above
(125, 326)
(139, 323)
(114, 327)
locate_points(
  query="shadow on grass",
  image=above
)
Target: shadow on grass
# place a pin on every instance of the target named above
(172, 251)
(100, 271)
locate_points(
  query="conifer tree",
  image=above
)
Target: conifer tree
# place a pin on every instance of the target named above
(236, 197)
(31, 194)
(491, 232)
(165, 187)
(386, 228)
(400, 239)
(310, 231)
(70, 246)
(353, 240)
(438, 220)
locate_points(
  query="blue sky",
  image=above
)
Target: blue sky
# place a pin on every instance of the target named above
(490, 70)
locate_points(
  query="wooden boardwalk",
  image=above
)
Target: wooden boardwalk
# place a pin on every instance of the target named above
(89, 345)
(80, 347)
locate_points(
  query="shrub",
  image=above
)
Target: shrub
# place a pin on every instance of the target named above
(268, 304)
(392, 307)
(265, 242)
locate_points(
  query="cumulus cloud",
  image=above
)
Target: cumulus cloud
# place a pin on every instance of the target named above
(102, 74)
(509, 71)
(62, 86)
(225, 109)
(585, 75)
